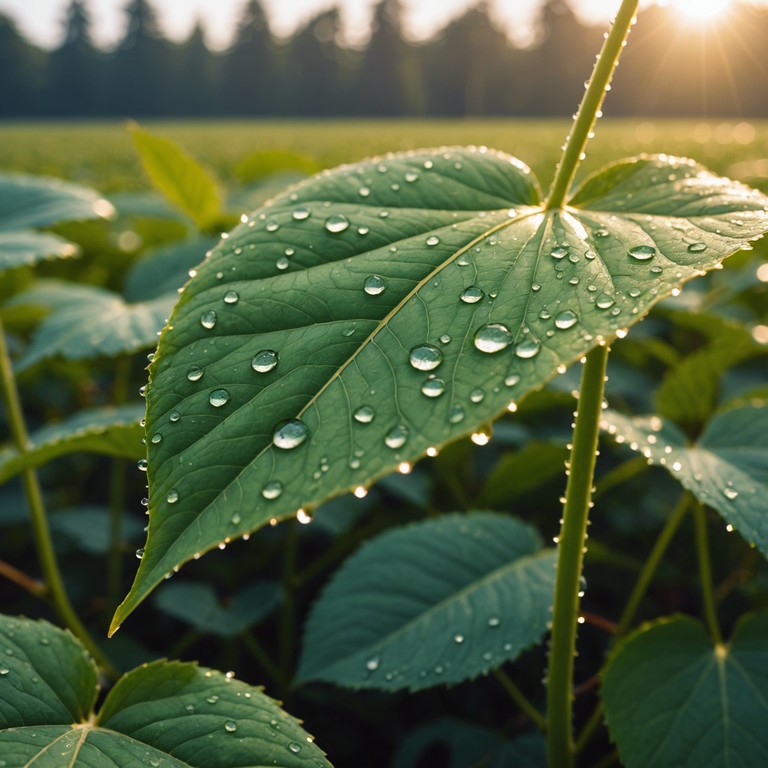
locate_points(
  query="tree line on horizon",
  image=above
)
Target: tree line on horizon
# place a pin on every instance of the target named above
(469, 68)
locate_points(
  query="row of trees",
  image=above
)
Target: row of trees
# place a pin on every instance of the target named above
(469, 68)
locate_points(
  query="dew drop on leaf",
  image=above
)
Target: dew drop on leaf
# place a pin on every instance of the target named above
(140, 553)
(231, 297)
(301, 214)
(230, 726)
(173, 496)
(511, 380)
(697, 247)
(289, 434)
(432, 240)
(397, 436)
(566, 319)
(493, 338)
(527, 349)
(282, 263)
(458, 639)
(471, 295)
(264, 361)
(411, 176)
(336, 223)
(559, 252)
(218, 397)
(364, 414)
(372, 664)
(477, 395)
(174, 416)
(208, 319)
(425, 357)
(642, 252)
(456, 414)
(374, 285)
(142, 464)
(604, 302)
(433, 387)
(294, 747)
(730, 493)
(195, 373)
(272, 490)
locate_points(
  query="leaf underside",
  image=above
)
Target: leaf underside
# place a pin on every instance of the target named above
(433, 603)
(303, 276)
(674, 700)
(726, 468)
(169, 714)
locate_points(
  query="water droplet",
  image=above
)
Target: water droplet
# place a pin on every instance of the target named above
(208, 319)
(458, 639)
(230, 726)
(174, 416)
(432, 240)
(566, 319)
(471, 295)
(602, 233)
(559, 252)
(425, 357)
(511, 380)
(231, 297)
(527, 349)
(433, 387)
(445, 339)
(373, 664)
(604, 301)
(697, 247)
(195, 373)
(301, 214)
(374, 285)
(730, 493)
(272, 226)
(494, 622)
(282, 263)
(289, 434)
(364, 191)
(218, 397)
(642, 252)
(477, 395)
(364, 414)
(264, 361)
(172, 497)
(212, 699)
(493, 338)
(142, 464)
(294, 747)
(396, 437)
(336, 223)
(272, 490)
(456, 414)
(156, 438)
(140, 553)
(411, 176)
(4, 670)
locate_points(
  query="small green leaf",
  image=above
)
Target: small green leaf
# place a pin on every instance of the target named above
(726, 468)
(258, 165)
(183, 181)
(108, 431)
(197, 605)
(173, 714)
(32, 202)
(87, 322)
(405, 302)
(675, 700)
(25, 248)
(431, 603)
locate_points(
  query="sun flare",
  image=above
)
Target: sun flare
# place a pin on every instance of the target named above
(700, 10)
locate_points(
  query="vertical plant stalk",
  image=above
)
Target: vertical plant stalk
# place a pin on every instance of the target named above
(40, 529)
(705, 573)
(570, 556)
(589, 109)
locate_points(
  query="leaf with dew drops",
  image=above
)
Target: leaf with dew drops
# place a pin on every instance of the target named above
(471, 218)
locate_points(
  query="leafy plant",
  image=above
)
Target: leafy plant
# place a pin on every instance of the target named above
(355, 323)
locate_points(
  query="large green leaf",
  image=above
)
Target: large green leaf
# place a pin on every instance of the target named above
(406, 300)
(436, 602)
(170, 714)
(183, 181)
(86, 322)
(109, 431)
(726, 468)
(24, 248)
(32, 202)
(675, 700)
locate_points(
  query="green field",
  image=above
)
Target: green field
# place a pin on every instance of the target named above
(100, 154)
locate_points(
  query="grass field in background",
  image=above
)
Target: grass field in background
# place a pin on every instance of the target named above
(101, 154)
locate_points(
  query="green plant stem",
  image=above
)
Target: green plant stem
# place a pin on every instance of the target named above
(117, 486)
(589, 108)
(262, 657)
(288, 607)
(571, 546)
(520, 699)
(705, 573)
(41, 531)
(33, 586)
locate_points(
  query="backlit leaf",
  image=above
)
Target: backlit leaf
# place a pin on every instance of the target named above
(170, 714)
(109, 431)
(24, 248)
(726, 468)
(436, 602)
(406, 301)
(675, 700)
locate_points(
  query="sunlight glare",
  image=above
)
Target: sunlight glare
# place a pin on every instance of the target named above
(700, 10)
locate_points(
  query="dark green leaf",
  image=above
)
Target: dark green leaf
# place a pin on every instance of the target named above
(303, 277)
(726, 468)
(436, 602)
(197, 605)
(32, 202)
(183, 181)
(173, 714)
(109, 431)
(87, 322)
(24, 248)
(675, 700)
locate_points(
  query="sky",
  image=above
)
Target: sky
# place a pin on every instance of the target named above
(41, 20)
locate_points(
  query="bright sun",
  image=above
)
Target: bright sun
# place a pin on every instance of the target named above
(700, 10)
